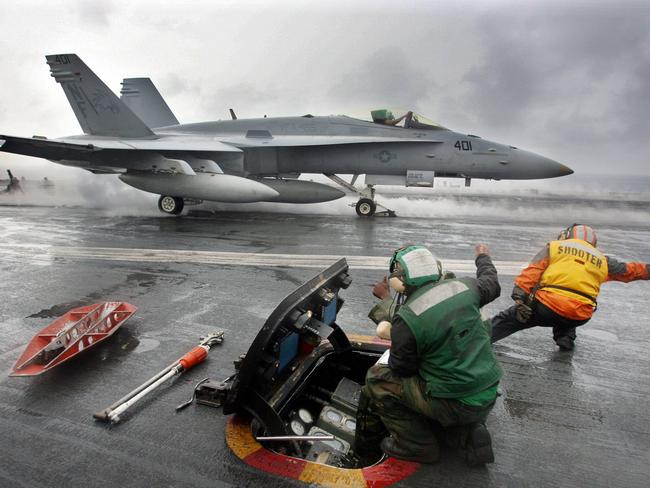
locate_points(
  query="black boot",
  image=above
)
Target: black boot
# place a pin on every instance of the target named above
(479, 446)
(565, 343)
(393, 449)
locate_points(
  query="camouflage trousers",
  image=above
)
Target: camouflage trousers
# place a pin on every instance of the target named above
(410, 415)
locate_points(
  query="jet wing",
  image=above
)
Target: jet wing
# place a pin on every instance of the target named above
(163, 144)
(76, 148)
(116, 155)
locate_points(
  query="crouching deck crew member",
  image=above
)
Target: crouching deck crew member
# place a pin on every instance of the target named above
(440, 375)
(560, 286)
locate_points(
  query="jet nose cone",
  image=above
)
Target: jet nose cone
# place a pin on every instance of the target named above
(535, 166)
(553, 169)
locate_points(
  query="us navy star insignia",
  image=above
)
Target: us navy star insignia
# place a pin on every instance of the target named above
(384, 156)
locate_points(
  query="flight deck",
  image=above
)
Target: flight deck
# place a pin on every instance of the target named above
(563, 419)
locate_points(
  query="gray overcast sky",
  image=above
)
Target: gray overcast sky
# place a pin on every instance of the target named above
(570, 80)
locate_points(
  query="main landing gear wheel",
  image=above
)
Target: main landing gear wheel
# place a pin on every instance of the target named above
(365, 207)
(171, 205)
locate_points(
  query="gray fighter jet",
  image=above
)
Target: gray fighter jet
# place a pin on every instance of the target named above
(259, 160)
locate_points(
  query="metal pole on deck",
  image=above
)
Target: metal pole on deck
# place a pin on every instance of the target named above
(188, 361)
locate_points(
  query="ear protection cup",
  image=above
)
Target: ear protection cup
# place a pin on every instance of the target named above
(396, 284)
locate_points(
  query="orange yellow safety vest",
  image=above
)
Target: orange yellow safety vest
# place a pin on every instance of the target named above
(576, 270)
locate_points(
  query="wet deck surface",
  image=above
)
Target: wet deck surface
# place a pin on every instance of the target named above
(565, 419)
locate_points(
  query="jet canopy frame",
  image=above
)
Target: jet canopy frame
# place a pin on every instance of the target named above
(412, 119)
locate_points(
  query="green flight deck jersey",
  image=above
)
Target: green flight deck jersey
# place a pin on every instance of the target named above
(454, 350)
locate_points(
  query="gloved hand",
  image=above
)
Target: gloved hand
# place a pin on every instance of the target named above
(482, 249)
(383, 329)
(523, 312)
(381, 289)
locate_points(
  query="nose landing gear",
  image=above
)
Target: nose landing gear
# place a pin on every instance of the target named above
(366, 206)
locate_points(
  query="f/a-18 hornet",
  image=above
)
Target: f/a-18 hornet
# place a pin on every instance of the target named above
(259, 160)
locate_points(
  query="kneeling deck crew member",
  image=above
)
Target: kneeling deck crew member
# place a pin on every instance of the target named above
(440, 366)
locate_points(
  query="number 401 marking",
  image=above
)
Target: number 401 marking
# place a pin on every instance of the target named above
(463, 145)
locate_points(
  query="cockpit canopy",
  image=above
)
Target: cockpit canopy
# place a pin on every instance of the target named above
(410, 120)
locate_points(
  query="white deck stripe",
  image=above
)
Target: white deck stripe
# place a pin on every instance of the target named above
(48, 252)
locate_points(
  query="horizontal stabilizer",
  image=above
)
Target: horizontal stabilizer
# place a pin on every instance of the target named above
(144, 99)
(97, 108)
(44, 148)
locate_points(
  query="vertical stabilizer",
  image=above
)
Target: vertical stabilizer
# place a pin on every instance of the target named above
(97, 108)
(144, 99)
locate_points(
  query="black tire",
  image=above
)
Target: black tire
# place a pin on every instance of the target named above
(365, 207)
(170, 205)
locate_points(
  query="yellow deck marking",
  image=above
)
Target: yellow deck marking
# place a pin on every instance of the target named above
(240, 439)
(330, 476)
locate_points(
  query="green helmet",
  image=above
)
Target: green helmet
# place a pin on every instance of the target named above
(416, 265)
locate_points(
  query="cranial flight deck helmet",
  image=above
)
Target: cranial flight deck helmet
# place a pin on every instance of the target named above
(414, 266)
(579, 231)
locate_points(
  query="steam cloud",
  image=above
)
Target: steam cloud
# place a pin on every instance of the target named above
(577, 198)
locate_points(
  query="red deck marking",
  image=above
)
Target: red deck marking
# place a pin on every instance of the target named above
(388, 472)
(241, 441)
(275, 463)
